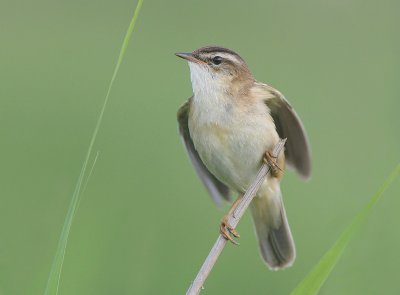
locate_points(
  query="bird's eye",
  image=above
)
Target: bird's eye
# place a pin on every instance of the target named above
(217, 60)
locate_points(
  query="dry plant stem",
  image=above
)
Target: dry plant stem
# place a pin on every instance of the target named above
(233, 220)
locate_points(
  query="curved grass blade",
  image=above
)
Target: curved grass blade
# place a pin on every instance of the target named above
(55, 272)
(313, 282)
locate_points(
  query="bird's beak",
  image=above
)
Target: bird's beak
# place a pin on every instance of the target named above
(189, 57)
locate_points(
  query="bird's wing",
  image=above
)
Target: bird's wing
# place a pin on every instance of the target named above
(288, 125)
(217, 189)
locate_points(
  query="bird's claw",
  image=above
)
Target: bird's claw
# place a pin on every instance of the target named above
(272, 163)
(227, 231)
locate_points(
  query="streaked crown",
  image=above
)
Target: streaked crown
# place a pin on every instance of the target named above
(215, 68)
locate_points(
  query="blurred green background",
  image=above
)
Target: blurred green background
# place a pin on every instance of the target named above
(145, 223)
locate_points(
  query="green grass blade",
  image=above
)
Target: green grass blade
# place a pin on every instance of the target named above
(313, 282)
(55, 272)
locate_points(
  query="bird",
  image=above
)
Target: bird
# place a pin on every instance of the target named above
(229, 127)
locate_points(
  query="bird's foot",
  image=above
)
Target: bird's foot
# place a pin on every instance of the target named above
(227, 231)
(272, 162)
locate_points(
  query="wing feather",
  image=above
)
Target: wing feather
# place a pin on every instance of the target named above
(289, 125)
(218, 191)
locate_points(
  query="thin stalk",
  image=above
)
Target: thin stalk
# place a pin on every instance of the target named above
(53, 281)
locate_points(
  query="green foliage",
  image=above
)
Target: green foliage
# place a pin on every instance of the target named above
(55, 272)
(313, 282)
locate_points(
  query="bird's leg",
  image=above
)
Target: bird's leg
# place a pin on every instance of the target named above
(273, 163)
(225, 228)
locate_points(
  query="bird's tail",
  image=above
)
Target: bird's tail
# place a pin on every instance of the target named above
(272, 228)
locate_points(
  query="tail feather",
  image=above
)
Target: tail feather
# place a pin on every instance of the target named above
(274, 236)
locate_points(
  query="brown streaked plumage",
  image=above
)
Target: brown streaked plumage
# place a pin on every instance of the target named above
(229, 127)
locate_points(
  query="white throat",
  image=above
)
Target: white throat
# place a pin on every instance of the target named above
(210, 96)
(203, 80)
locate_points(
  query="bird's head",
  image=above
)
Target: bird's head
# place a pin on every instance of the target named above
(216, 69)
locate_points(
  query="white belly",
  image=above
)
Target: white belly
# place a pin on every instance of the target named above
(230, 143)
